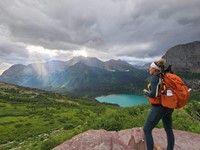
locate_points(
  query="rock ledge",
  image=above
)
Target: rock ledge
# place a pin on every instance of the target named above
(129, 139)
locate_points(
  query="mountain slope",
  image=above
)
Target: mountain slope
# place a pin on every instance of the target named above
(86, 80)
(35, 119)
(29, 117)
(184, 57)
(185, 61)
(12, 75)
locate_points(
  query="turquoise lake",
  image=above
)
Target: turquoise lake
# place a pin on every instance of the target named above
(123, 100)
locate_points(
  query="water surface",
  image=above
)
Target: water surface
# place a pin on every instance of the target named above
(123, 100)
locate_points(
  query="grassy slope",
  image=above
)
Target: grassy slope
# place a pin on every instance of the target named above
(34, 119)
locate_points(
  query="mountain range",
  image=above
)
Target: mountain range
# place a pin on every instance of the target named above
(91, 77)
(80, 76)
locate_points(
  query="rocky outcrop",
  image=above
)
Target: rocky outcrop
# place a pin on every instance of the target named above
(129, 139)
(184, 57)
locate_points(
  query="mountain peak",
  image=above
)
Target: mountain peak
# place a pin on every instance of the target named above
(108, 65)
(89, 61)
(84, 58)
(14, 69)
(118, 65)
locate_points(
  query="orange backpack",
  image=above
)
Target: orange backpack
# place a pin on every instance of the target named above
(175, 93)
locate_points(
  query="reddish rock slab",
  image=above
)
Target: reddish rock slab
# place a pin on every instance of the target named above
(129, 139)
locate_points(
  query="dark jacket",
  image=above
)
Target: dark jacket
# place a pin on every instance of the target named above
(154, 91)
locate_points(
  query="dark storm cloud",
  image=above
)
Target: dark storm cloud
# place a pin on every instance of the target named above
(118, 28)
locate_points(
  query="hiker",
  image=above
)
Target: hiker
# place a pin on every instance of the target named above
(157, 110)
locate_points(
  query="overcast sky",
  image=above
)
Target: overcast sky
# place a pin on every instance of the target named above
(136, 31)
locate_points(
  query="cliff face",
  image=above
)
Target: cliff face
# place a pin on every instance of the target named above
(130, 139)
(184, 57)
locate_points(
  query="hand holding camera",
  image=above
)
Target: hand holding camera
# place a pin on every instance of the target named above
(145, 90)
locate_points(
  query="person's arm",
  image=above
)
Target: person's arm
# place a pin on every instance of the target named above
(154, 87)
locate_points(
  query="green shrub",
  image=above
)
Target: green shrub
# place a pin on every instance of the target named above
(49, 144)
(18, 125)
(4, 141)
(112, 122)
(99, 109)
(51, 122)
(28, 124)
(68, 127)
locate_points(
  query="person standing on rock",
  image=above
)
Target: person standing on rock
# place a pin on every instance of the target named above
(157, 112)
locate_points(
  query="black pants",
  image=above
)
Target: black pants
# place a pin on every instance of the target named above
(159, 112)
